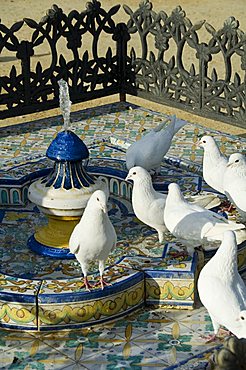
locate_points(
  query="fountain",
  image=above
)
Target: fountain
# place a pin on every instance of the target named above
(40, 292)
(63, 194)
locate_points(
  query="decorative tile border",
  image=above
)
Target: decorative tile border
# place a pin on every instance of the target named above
(83, 309)
(18, 302)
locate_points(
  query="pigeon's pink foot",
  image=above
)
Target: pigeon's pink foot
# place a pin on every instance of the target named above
(209, 338)
(227, 207)
(88, 286)
(225, 332)
(212, 337)
(104, 283)
(183, 254)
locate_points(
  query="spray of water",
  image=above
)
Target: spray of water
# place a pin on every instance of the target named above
(65, 103)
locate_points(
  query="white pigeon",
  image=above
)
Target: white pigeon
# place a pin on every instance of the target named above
(148, 204)
(194, 225)
(94, 237)
(148, 152)
(234, 182)
(214, 163)
(222, 290)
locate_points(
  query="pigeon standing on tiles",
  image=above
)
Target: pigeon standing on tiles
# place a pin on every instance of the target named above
(148, 204)
(194, 225)
(94, 237)
(222, 290)
(148, 152)
(234, 182)
(214, 163)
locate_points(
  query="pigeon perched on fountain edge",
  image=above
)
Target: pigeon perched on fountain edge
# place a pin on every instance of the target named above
(222, 290)
(234, 182)
(214, 163)
(94, 237)
(194, 225)
(148, 152)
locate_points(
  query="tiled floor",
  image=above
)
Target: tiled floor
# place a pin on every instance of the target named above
(148, 339)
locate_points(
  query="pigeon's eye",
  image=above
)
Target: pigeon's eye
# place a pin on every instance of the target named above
(242, 318)
(134, 173)
(204, 141)
(237, 160)
(98, 199)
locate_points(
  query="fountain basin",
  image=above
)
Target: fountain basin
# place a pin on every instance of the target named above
(42, 293)
(53, 295)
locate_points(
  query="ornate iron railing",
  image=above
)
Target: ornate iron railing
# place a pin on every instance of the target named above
(195, 89)
(89, 75)
(162, 72)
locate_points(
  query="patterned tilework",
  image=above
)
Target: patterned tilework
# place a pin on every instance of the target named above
(79, 311)
(146, 339)
(28, 141)
(133, 236)
(169, 281)
(159, 339)
(18, 302)
(18, 224)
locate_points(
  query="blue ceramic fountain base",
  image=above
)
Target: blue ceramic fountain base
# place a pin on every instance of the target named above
(45, 250)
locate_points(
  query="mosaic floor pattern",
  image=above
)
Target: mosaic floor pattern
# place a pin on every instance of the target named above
(147, 339)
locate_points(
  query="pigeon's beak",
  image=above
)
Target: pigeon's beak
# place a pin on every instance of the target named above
(128, 177)
(198, 144)
(229, 164)
(104, 208)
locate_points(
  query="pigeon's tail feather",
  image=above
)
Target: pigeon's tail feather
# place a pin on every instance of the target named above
(74, 248)
(161, 125)
(216, 232)
(174, 126)
(240, 236)
(207, 201)
(179, 123)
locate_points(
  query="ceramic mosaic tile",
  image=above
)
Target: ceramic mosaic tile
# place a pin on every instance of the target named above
(145, 339)
(169, 279)
(18, 224)
(14, 183)
(26, 141)
(66, 303)
(35, 355)
(18, 302)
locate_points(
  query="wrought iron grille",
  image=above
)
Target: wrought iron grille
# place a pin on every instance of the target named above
(161, 72)
(167, 80)
(88, 74)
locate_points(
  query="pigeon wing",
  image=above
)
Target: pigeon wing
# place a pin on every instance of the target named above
(156, 209)
(208, 200)
(240, 288)
(74, 240)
